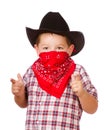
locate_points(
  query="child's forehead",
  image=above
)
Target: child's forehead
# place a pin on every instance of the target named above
(52, 37)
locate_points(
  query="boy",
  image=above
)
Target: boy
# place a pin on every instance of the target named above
(54, 89)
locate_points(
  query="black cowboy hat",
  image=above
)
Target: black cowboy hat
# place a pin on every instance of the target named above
(55, 23)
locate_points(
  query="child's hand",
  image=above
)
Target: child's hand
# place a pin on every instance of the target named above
(76, 85)
(18, 88)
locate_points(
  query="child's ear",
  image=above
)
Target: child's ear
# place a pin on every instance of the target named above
(71, 49)
(36, 48)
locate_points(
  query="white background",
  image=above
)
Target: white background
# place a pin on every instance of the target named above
(16, 53)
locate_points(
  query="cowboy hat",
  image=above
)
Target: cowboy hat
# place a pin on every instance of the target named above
(55, 23)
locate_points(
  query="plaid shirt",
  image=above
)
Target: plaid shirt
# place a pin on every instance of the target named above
(46, 112)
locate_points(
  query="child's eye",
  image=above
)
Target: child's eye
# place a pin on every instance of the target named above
(60, 48)
(45, 48)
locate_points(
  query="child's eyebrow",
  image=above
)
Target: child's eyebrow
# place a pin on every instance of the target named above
(44, 44)
(62, 44)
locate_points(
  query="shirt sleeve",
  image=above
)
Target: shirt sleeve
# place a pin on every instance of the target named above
(28, 77)
(87, 84)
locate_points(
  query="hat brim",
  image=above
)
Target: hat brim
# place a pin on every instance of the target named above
(76, 37)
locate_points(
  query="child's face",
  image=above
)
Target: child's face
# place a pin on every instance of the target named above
(53, 42)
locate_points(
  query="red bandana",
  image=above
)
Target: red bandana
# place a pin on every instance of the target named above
(53, 71)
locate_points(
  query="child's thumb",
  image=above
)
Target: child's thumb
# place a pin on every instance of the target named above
(19, 76)
(72, 77)
(75, 77)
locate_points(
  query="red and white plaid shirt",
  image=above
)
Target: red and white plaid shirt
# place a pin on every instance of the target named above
(46, 112)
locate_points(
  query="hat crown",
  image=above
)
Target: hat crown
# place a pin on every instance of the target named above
(54, 21)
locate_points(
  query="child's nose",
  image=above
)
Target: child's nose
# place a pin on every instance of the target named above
(52, 49)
